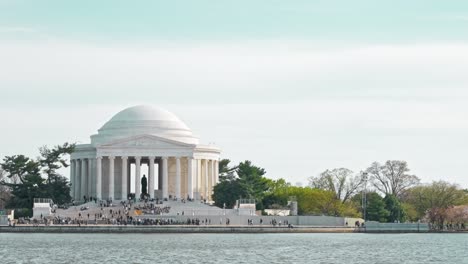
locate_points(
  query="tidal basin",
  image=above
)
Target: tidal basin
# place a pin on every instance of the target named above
(233, 248)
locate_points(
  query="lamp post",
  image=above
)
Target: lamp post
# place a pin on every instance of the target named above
(364, 196)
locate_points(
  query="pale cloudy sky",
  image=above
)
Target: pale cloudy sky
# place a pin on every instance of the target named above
(297, 87)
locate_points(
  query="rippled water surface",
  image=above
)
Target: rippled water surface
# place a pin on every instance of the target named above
(234, 248)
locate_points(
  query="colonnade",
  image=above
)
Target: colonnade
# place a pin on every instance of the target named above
(109, 177)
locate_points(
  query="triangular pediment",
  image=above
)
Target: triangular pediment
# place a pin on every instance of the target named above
(146, 141)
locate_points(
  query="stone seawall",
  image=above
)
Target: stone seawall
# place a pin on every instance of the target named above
(171, 229)
(375, 227)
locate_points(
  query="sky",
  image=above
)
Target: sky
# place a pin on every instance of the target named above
(297, 87)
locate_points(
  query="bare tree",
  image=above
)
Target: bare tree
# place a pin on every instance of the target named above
(343, 182)
(392, 177)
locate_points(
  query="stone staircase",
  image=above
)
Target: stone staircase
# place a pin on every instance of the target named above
(189, 208)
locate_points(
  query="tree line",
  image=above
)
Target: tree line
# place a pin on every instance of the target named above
(391, 192)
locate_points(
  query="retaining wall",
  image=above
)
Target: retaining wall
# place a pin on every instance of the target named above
(375, 227)
(168, 229)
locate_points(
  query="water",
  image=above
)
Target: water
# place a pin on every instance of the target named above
(234, 248)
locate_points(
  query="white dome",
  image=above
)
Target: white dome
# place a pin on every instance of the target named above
(144, 120)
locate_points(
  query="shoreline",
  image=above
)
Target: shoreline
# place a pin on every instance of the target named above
(170, 229)
(109, 229)
(181, 229)
(215, 229)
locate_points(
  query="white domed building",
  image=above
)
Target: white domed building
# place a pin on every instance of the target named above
(178, 165)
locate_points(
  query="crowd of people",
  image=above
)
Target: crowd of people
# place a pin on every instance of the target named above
(169, 221)
(152, 209)
(275, 222)
(117, 217)
(105, 203)
(128, 213)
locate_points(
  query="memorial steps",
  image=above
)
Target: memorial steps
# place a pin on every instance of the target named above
(177, 208)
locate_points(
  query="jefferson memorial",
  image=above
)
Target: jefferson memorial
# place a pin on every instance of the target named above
(110, 167)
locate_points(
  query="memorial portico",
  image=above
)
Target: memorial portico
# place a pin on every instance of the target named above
(178, 166)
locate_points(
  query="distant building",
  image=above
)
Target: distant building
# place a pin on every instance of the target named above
(144, 135)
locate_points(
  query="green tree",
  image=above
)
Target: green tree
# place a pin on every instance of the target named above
(225, 170)
(19, 167)
(313, 201)
(395, 209)
(246, 181)
(251, 179)
(59, 190)
(277, 194)
(24, 178)
(410, 212)
(226, 192)
(375, 208)
(51, 160)
(434, 199)
(252, 182)
(30, 184)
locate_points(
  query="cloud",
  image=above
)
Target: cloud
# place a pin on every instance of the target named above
(261, 71)
(12, 29)
(447, 17)
(460, 18)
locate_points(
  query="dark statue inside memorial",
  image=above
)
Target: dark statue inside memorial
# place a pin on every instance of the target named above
(144, 187)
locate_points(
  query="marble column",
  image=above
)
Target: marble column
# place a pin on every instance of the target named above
(206, 180)
(198, 179)
(190, 178)
(177, 179)
(165, 183)
(124, 178)
(99, 178)
(137, 177)
(77, 180)
(90, 178)
(83, 184)
(72, 178)
(160, 175)
(210, 177)
(216, 172)
(151, 177)
(111, 177)
(213, 176)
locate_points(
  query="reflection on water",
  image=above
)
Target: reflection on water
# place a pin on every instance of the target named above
(234, 248)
